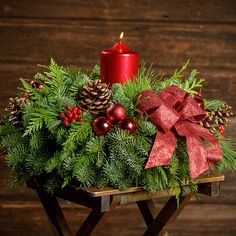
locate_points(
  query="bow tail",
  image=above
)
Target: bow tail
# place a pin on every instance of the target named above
(197, 156)
(162, 150)
(199, 153)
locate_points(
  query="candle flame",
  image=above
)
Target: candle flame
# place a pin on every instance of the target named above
(121, 36)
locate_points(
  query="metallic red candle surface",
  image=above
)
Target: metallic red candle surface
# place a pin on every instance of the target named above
(118, 64)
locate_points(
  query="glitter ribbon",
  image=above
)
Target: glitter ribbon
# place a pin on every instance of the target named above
(174, 110)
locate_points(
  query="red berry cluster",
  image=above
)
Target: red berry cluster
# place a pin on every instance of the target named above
(71, 116)
(221, 130)
(35, 84)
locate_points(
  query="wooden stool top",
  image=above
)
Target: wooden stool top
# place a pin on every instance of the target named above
(99, 192)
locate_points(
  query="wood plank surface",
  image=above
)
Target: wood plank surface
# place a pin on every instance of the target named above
(34, 41)
(145, 10)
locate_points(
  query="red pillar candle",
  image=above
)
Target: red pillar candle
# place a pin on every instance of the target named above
(118, 63)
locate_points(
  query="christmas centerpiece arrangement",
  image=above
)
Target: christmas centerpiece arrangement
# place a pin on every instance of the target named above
(116, 125)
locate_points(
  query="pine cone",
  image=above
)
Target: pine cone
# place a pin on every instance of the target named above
(14, 107)
(217, 118)
(95, 97)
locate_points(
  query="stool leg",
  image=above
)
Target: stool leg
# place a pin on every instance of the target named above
(94, 221)
(168, 213)
(54, 213)
(148, 210)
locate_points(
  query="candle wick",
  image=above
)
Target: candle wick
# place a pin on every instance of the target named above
(121, 36)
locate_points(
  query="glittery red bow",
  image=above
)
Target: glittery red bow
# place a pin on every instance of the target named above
(173, 109)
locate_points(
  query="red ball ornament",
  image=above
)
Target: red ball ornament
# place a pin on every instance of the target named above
(127, 124)
(199, 99)
(115, 112)
(101, 126)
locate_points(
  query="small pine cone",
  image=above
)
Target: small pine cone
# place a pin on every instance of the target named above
(14, 107)
(95, 97)
(219, 117)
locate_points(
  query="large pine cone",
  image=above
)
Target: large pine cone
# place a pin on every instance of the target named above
(95, 97)
(217, 118)
(14, 107)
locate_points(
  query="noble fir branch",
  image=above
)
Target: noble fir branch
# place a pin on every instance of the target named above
(53, 162)
(9, 141)
(84, 170)
(145, 127)
(96, 147)
(134, 87)
(95, 73)
(118, 96)
(115, 173)
(150, 75)
(16, 156)
(78, 84)
(52, 183)
(72, 72)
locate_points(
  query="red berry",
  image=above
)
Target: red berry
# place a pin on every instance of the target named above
(221, 130)
(80, 119)
(69, 114)
(61, 116)
(40, 86)
(74, 109)
(26, 96)
(65, 118)
(65, 123)
(75, 116)
(32, 83)
(79, 111)
(74, 112)
(68, 107)
(73, 120)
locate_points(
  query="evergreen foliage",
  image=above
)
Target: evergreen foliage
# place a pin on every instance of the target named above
(74, 153)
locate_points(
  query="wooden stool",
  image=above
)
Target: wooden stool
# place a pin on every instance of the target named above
(104, 200)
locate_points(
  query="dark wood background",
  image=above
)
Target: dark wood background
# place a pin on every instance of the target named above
(165, 33)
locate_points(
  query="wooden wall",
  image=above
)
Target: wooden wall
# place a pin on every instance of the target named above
(165, 33)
